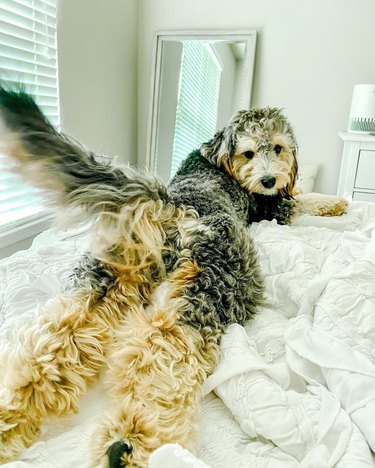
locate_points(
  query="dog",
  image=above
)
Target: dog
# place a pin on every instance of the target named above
(169, 268)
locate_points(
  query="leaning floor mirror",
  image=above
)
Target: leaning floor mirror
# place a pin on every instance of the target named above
(200, 80)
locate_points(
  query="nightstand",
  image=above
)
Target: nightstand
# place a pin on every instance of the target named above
(357, 173)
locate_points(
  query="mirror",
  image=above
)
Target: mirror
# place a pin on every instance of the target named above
(200, 80)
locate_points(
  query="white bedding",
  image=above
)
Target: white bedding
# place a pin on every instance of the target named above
(295, 387)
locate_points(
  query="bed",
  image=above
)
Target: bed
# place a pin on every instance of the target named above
(294, 387)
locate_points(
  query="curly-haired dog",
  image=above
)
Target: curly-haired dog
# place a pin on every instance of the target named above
(169, 269)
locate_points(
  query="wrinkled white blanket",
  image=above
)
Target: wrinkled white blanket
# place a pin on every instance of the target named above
(295, 387)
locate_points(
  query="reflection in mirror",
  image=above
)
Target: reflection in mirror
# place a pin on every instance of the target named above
(200, 82)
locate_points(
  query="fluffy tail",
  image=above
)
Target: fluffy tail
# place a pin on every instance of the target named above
(70, 174)
(134, 216)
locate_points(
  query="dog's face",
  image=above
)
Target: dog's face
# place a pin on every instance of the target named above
(257, 148)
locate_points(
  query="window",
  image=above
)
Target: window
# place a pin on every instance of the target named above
(27, 55)
(197, 100)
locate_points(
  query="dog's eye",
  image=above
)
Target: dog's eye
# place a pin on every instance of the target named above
(277, 149)
(249, 154)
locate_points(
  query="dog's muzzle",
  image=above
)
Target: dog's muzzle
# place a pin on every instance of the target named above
(268, 181)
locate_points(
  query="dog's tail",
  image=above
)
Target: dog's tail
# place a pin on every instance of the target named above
(66, 170)
(125, 203)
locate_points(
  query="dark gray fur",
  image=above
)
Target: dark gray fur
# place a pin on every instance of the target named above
(229, 287)
(91, 274)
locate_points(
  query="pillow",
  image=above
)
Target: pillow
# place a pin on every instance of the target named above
(306, 178)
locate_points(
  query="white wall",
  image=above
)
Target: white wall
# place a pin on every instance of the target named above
(97, 43)
(310, 54)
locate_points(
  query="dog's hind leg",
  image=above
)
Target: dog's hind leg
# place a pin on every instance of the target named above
(156, 370)
(163, 354)
(50, 364)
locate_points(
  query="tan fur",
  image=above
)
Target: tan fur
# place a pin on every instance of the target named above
(36, 173)
(185, 275)
(317, 204)
(289, 188)
(156, 370)
(136, 237)
(54, 360)
(227, 165)
(62, 353)
(57, 357)
(282, 166)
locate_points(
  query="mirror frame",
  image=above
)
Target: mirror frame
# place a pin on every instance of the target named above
(248, 36)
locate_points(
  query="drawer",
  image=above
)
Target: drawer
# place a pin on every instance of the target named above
(363, 196)
(365, 177)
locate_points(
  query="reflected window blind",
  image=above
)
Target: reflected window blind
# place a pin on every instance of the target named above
(198, 99)
(28, 56)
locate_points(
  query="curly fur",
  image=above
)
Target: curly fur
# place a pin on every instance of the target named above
(169, 269)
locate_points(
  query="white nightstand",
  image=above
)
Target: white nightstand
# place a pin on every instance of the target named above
(357, 173)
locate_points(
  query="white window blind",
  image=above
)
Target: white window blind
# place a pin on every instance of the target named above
(28, 56)
(198, 99)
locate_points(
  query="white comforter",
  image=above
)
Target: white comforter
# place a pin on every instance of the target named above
(295, 387)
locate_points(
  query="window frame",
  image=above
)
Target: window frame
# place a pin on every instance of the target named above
(18, 234)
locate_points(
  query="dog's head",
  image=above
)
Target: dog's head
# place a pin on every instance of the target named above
(258, 148)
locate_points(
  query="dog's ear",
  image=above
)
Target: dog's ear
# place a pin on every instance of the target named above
(220, 148)
(288, 191)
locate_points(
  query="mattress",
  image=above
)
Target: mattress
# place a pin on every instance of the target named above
(294, 387)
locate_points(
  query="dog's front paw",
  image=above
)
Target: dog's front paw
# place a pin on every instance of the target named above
(334, 206)
(318, 204)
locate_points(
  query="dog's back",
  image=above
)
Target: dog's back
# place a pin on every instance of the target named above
(208, 189)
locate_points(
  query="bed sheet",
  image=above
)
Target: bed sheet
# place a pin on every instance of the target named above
(294, 387)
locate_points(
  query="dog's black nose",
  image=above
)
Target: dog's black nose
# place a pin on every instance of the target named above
(115, 452)
(268, 181)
